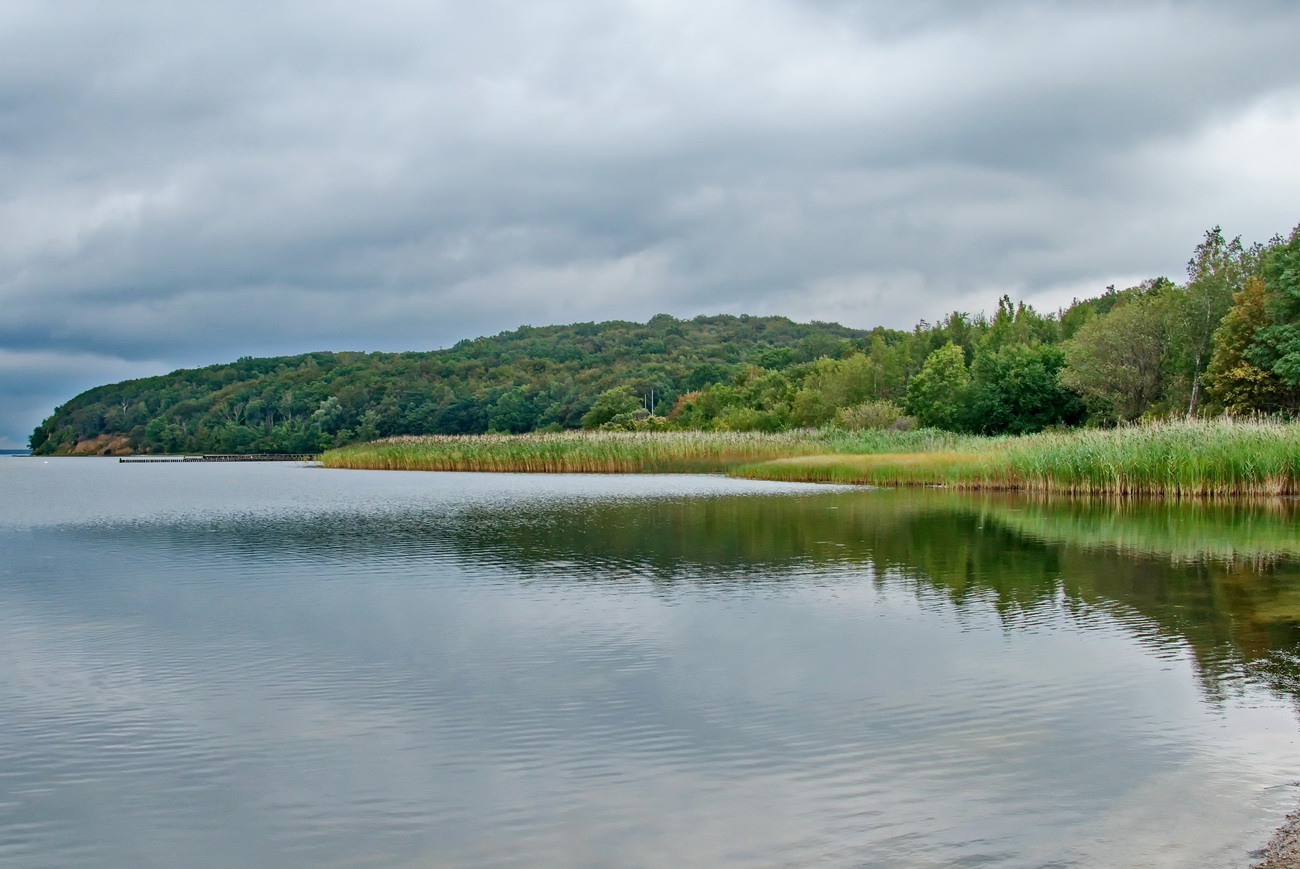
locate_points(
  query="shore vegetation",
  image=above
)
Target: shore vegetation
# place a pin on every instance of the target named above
(1220, 458)
(1225, 340)
(606, 452)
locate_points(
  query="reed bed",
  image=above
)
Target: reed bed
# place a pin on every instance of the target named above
(1221, 458)
(584, 452)
(1194, 458)
(621, 452)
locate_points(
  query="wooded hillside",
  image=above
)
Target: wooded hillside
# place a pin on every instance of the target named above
(517, 381)
(1227, 339)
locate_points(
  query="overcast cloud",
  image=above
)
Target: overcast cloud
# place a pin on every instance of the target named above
(183, 184)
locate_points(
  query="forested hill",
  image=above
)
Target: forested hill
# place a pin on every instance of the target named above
(528, 379)
(1227, 339)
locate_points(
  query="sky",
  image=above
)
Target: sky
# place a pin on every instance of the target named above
(184, 184)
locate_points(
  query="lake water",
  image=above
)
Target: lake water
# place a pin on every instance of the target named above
(233, 665)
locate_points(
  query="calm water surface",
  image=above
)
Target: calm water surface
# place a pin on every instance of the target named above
(272, 665)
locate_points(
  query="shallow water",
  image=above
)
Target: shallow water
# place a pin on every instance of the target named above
(250, 665)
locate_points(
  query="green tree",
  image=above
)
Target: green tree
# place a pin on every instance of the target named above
(1215, 274)
(367, 426)
(512, 412)
(328, 417)
(610, 404)
(1117, 361)
(1018, 324)
(936, 394)
(1276, 347)
(1016, 390)
(889, 366)
(810, 408)
(1234, 380)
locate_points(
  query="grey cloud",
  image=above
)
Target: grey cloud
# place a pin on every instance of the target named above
(31, 384)
(188, 184)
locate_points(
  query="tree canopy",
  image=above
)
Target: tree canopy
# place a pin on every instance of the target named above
(523, 380)
(1226, 339)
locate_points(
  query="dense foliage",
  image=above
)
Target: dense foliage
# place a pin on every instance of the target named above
(528, 379)
(982, 375)
(1226, 339)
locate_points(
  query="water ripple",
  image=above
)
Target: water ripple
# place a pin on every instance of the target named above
(432, 670)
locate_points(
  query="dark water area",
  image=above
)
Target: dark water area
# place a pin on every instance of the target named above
(277, 665)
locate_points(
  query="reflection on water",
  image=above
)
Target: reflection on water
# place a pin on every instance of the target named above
(271, 665)
(1222, 581)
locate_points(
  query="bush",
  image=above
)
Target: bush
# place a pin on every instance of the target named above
(872, 415)
(610, 405)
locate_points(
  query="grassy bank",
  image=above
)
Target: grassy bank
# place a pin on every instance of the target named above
(1217, 458)
(572, 452)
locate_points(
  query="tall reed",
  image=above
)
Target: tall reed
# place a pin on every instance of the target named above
(572, 452)
(617, 452)
(1196, 458)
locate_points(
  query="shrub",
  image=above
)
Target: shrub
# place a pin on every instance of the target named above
(871, 415)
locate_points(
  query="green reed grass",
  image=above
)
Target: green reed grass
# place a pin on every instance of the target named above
(574, 452)
(618, 452)
(1195, 458)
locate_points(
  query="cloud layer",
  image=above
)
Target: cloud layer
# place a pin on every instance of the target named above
(183, 185)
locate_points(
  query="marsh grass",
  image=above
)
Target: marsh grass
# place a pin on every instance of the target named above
(1219, 458)
(1200, 458)
(616, 452)
(1196, 458)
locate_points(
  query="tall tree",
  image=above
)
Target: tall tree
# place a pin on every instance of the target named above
(1016, 390)
(1117, 361)
(1215, 274)
(1277, 346)
(936, 395)
(1233, 379)
(609, 404)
